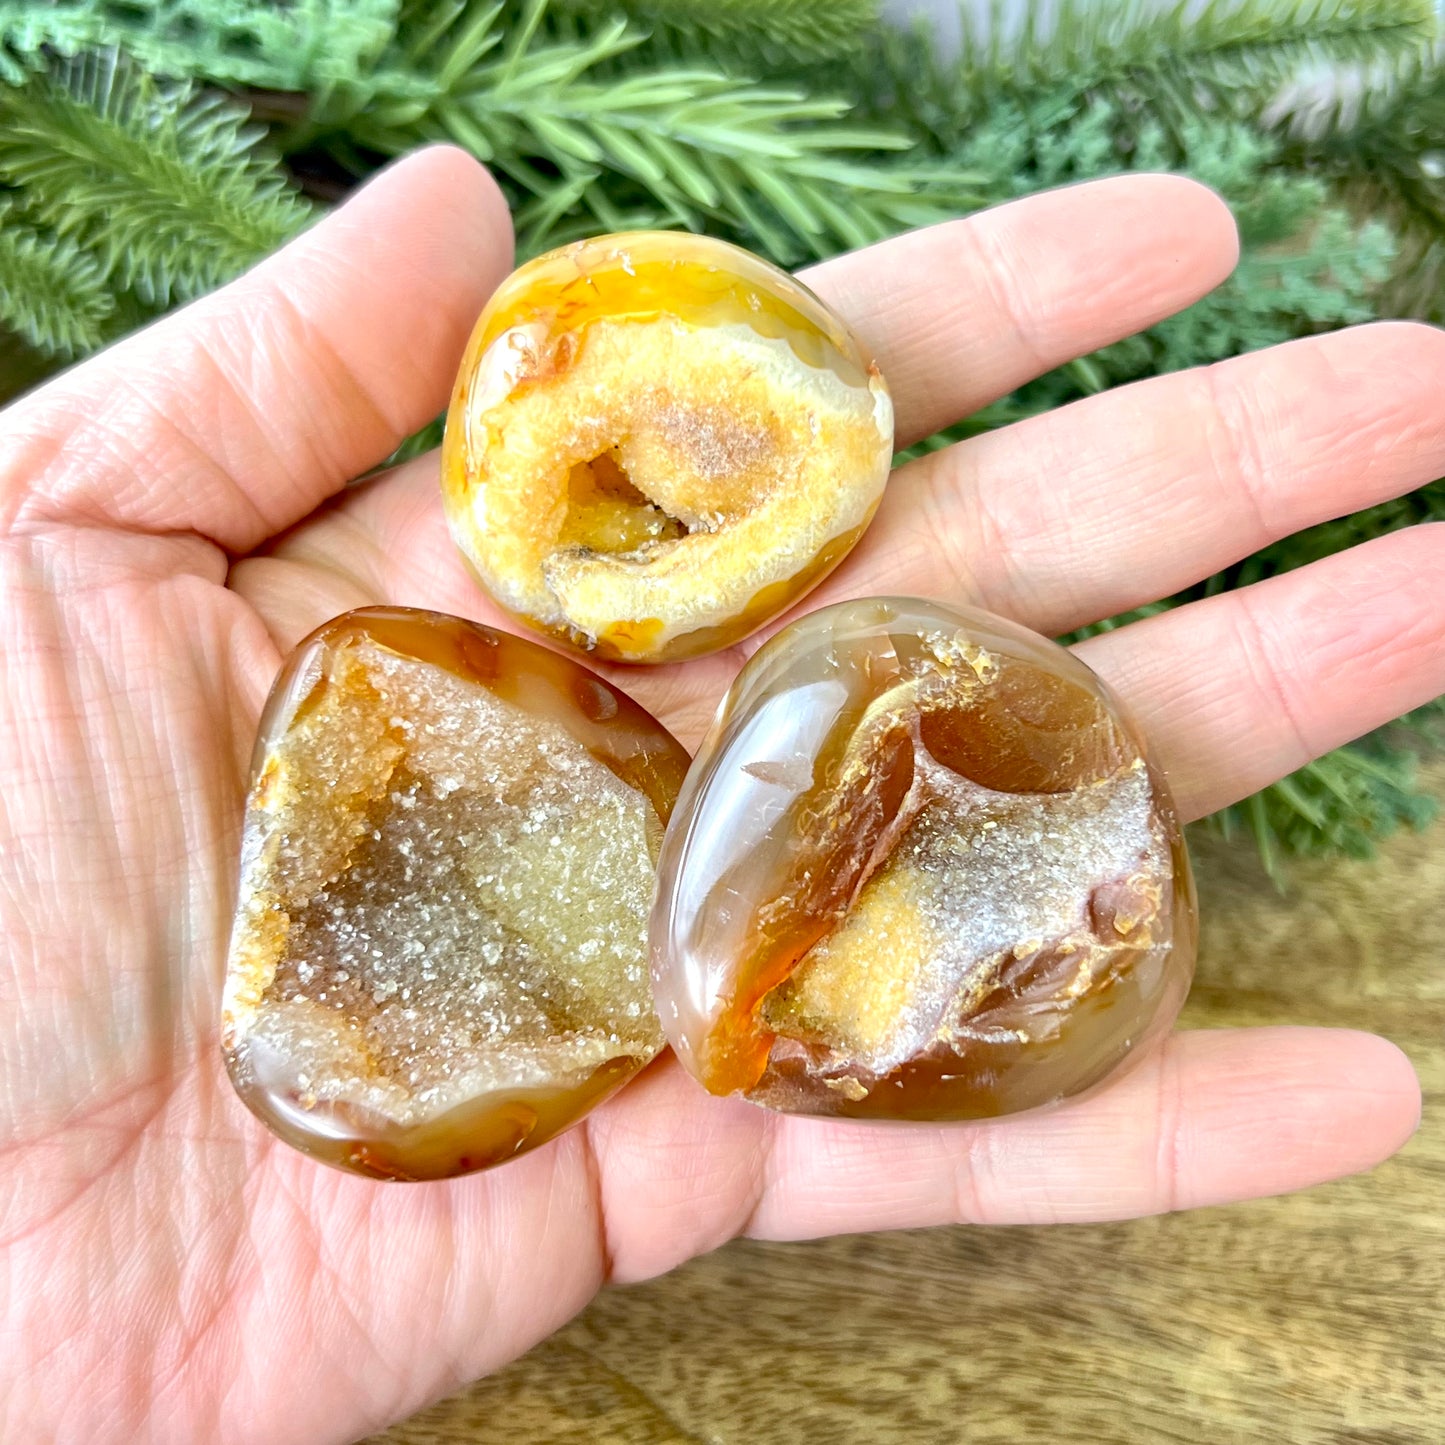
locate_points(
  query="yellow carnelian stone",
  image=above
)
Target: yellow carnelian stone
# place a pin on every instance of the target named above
(658, 442)
(438, 959)
(921, 868)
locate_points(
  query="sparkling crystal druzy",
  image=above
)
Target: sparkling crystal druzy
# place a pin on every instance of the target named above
(658, 442)
(921, 869)
(439, 953)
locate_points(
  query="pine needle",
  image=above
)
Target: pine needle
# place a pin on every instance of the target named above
(1384, 152)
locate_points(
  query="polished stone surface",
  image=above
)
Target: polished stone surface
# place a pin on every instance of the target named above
(921, 869)
(438, 959)
(658, 442)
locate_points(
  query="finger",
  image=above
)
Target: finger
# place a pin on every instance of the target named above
(1208, 1118)
(1238, 690)
(961, 313)
(1126, 497)
(236, 416)
(1211, 1118)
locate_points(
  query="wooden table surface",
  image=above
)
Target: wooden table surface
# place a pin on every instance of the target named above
(1317, 1318)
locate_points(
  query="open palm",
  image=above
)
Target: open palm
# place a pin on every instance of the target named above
(172, 518)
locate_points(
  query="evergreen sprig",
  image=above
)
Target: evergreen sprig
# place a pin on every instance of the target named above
(51, 292)
(691, 146)
(160, 183)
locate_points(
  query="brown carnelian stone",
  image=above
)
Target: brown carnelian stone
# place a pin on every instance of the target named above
(921, 869)
(439, 953)
(658, 442)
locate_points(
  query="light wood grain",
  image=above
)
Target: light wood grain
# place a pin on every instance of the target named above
(1317, 1318)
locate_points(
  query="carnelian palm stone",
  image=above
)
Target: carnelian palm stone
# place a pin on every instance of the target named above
(658, 442)
(439, 953)
(921, 869)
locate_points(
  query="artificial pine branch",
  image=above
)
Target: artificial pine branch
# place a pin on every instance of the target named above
(162, 184)
(1373, 92)
(703, 147)
(52, 293)
(1235, 53)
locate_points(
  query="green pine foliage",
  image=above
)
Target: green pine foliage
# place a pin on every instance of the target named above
(1345, 802)
(134, 173)
(55, 295)
(142, 192)
(588, 146)
(160, 183)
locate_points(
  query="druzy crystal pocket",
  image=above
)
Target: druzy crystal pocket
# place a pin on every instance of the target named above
(439, 953)
(921, 869)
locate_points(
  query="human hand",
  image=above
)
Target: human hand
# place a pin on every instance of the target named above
(168, 1271)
